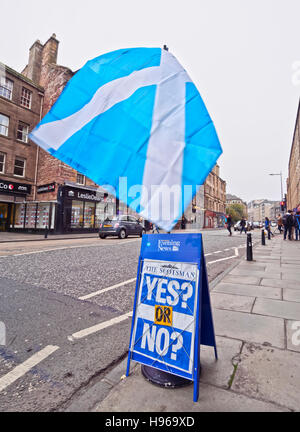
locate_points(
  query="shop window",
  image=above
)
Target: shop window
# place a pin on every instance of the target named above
(43, 215)
(26, 97)
(89, 215)
(6, 87)
(19, 216)
(80, 179)
(2, 162)
(4, 123)
(77, 214)
(31, 213)
(22, 132)
(19, 168)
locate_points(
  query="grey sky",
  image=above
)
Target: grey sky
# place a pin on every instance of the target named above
(239, 53)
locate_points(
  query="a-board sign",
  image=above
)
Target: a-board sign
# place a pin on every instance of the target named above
(172, 313)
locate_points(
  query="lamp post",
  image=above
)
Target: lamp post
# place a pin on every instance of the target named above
(279, 174)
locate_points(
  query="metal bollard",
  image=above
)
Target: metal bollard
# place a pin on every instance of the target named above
(263, 240)
(249, 248)
(46, 232)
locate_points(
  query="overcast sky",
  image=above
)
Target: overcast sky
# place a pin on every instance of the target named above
(239, 53)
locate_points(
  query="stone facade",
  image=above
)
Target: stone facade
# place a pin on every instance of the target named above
(11, 146)
(214, 199)
(232, 199)
(293, 181)
(52, 78)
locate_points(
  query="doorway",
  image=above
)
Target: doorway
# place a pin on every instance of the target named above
(5, 216)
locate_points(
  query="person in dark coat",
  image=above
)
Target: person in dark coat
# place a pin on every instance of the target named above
(297, 225)
(288, 223)
(243, 226)
(229, 224)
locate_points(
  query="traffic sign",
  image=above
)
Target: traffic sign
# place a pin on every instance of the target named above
(172, 313)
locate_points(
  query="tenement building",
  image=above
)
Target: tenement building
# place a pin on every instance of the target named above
(293, 181)
(20, 110)
(38, 191)
(214, 199)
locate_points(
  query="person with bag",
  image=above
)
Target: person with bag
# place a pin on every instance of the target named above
(297, 225)
(279, 223)
(229, 224)
(288, 222)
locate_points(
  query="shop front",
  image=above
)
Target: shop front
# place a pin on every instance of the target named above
(12, 204)
(82, 209)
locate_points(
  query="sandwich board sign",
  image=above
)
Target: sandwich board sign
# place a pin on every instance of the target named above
(172, 313)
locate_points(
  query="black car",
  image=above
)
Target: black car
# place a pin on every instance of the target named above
(121, 226)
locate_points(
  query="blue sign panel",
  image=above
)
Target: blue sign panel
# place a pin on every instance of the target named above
(172, 307)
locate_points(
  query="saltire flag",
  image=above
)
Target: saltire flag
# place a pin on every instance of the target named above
(135, 114)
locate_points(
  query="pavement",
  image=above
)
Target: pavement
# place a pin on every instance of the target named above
(8, 237)
(256, 312)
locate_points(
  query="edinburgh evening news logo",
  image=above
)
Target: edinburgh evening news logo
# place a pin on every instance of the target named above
(168, 245)
(2, 333)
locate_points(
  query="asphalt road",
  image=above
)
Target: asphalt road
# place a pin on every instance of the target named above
(62, 334)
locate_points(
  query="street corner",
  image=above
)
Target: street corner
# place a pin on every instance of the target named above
(269, 374)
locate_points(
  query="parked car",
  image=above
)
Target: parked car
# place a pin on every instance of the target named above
(237, 226)
(256, 225)
(273, 224)
(121, 226)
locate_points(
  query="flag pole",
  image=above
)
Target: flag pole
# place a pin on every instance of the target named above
(159, 377)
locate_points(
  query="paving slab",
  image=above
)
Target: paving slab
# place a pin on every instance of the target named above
(218, 372)
(248, 290)
(250, 266)
(277, 308)
(241, 303)
(293, 335)
(247, 280)
(269, 374)
(249, 327)
(135, 394)
(289, 275)
(260, 274)
(291, 294)
(278, 283)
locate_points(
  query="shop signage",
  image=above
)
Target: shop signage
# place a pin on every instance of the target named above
(15, 188)
(172, 314)
(86, 195)
(46, 188)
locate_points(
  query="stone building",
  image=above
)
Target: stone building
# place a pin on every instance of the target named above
(20, 110)
(233, 199)
(259, 209)
(52, 194)
(293, 181)
(214, 199)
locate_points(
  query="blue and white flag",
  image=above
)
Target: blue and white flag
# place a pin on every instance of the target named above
(135, 115)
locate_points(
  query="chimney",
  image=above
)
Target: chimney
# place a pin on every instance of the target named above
(33, 69)
(50, 49)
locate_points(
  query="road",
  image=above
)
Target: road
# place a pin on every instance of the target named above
(66, 306)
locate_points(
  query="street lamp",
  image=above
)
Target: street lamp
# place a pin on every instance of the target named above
(280, 174)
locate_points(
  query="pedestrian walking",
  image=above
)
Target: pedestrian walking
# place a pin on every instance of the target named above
(297, 225)
(288, 222)
(279, 223)
(229, 224)
(243, 226)
(183, 222)
(155, 228)
(268, 226)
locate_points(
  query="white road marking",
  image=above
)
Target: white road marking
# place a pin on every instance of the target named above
(221, 259)
(69, 247)
(24, 367)
(236, 251)
(95, 293)
(216, 252)
(95, 328)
